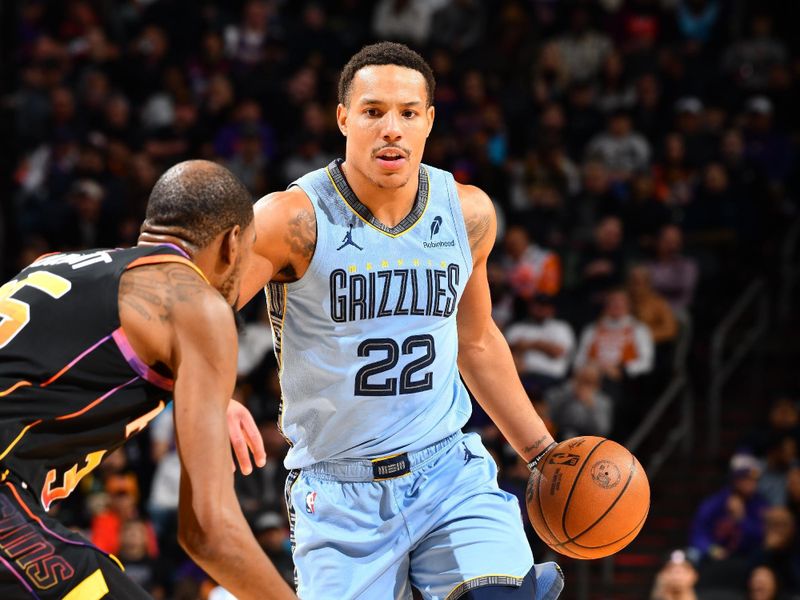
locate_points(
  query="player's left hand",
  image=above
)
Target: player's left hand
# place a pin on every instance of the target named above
(245, 438)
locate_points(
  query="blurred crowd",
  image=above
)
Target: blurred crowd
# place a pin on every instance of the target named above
(640, 153)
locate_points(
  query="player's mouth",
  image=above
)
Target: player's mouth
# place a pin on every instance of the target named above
(391, 159)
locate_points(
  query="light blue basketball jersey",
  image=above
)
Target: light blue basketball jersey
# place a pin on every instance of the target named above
(366, 340)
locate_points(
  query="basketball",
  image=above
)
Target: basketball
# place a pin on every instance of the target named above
(588, 498)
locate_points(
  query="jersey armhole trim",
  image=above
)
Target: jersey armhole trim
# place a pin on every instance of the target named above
(459, 223)
(137, 364)
(320, 242)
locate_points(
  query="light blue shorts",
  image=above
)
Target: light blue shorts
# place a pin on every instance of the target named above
(444, 527)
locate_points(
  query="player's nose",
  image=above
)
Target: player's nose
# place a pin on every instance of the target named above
(391, 127)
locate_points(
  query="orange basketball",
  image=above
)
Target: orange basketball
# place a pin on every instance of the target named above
(588, 498)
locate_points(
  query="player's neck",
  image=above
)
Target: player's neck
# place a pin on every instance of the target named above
(388, 205)
(152, 238)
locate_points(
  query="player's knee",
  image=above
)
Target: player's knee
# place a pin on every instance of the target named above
(542, 582)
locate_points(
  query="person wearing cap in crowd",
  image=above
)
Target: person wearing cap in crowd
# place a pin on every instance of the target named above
(769, 148)
(689, 122)
(676, 579)
(730, 523)
(542, 345)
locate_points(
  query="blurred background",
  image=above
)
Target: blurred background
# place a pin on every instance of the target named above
(642, 156)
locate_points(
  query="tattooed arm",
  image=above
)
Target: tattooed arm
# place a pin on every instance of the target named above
(286, 237)
(173, 318)
(484, 358)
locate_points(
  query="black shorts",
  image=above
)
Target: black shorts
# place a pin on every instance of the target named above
(40, 558)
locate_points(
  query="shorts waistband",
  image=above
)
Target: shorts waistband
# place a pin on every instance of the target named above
(381, 468)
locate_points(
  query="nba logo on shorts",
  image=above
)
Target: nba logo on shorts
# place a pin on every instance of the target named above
(311, 498)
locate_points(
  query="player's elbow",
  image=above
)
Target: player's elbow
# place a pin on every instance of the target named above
(200, 538)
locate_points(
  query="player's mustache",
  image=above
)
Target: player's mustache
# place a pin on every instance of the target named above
(404, 151)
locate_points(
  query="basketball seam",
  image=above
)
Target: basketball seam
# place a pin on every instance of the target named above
(572, 489)
(638, 526)
(608, 510)
(541, 509)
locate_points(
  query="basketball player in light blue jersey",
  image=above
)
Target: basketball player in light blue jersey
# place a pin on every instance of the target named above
(375, 275)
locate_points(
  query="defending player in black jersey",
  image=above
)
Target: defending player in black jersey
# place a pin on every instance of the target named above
(92, 345)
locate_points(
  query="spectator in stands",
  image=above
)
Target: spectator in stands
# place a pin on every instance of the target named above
(649, 307)
(674, 175)
(730, 523)
(581, 49)
(579, 407)
(617, 342)
(712, 215)
(542, 345)
(762, 584)
(135, 557)
(766, 146)
(672, 274)
(643, 213)
(601, 266)
(123, 493)
(529, 268)
(750, 61)
(676, 579)
(699, 143)
(783, 419)
(594, 202)
(780, 550)
(781, 456)
(270, 531)
(620, 148)
(407, 21)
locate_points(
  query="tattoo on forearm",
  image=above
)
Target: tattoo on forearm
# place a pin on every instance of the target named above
(535, 445)
(477, 226)
(301, 234)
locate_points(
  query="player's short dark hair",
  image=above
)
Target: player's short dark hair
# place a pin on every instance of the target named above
(385, 53)
(197, 200)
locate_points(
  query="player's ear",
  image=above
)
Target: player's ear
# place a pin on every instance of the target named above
(231, 245)
(341, 118)
(431, 114)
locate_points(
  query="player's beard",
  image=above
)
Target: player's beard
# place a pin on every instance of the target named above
(227, 287)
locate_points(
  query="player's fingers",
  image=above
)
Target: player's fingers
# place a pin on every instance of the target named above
(254, 440)
(242, 454)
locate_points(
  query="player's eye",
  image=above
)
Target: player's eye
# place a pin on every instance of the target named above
(372, 112)
(408, 114)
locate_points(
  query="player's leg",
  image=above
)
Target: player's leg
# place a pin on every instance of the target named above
(349, 539)
(471, 541)
(40, 558)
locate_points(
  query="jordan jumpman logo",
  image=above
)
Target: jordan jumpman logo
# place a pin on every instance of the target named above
(348, 239)
(468, 456)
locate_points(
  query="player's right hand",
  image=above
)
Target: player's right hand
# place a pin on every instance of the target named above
(245, 437)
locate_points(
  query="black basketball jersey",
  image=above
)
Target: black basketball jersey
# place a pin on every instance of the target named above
(72, 389)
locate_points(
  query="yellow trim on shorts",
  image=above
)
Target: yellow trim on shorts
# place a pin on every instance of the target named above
(463, 587)
(93, 587)
(385, 457)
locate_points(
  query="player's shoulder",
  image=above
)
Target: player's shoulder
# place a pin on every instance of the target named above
(167, 290)
(283, 205)
(159, 302)
(474, 199)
